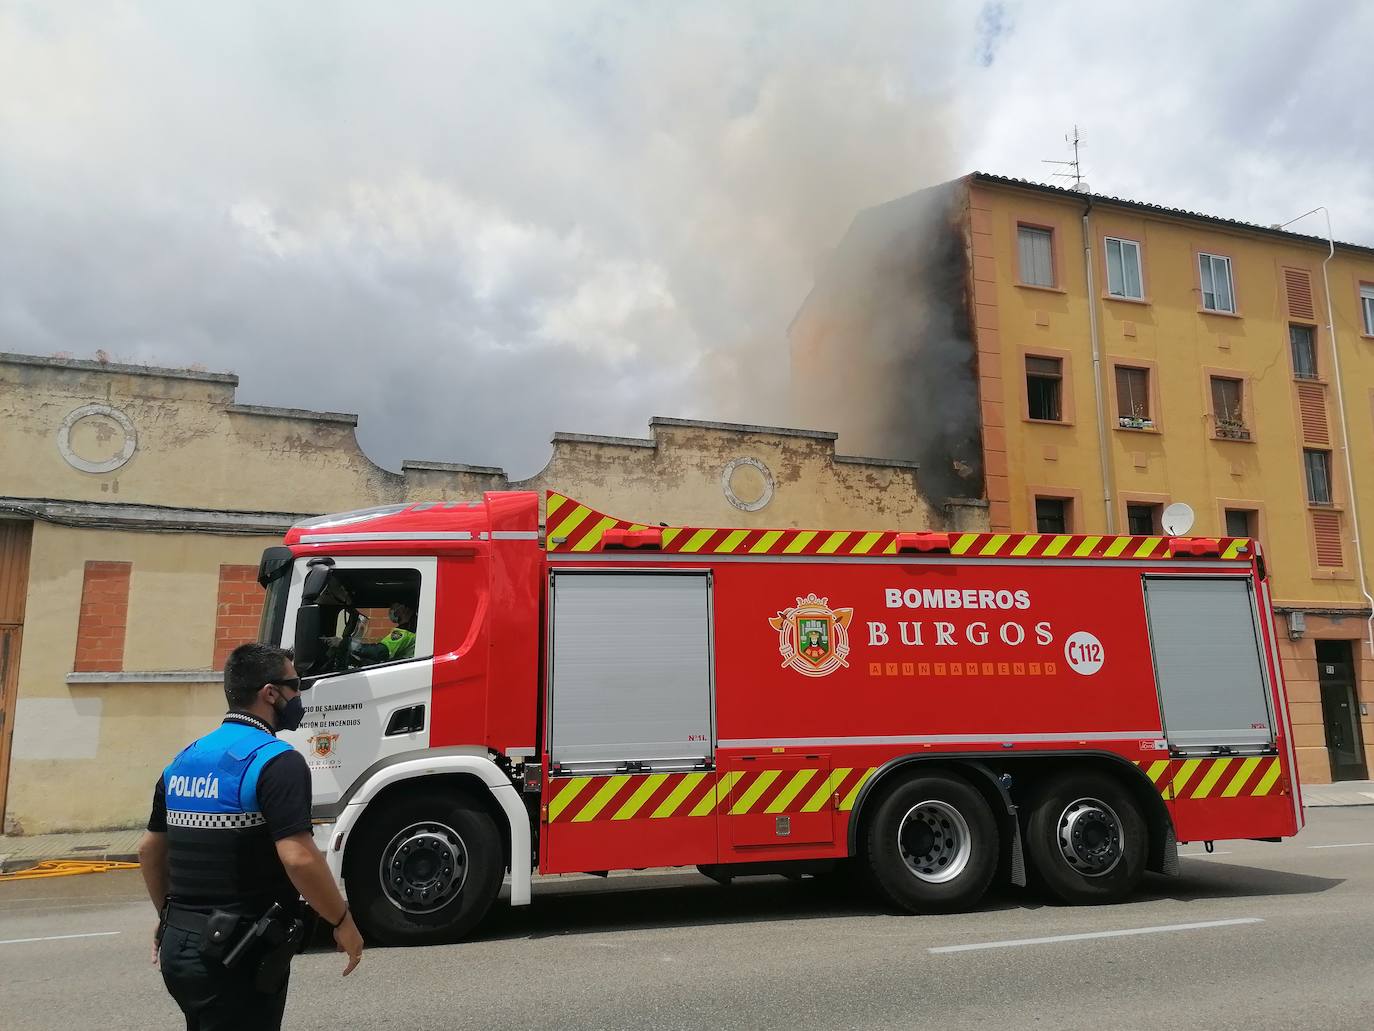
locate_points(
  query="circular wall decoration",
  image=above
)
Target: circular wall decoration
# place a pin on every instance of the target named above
(96, 438)
(756, 494)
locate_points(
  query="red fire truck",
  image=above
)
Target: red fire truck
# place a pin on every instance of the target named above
(933, 710)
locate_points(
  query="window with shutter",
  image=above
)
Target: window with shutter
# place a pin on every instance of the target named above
(1133, 397)
(1298, 285)
(1326, 535)
(1228, 410)
(1312, 410)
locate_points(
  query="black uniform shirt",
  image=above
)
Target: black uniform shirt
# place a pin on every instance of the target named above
(283, 790)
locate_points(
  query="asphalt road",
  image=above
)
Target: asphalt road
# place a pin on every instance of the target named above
(1290, 945)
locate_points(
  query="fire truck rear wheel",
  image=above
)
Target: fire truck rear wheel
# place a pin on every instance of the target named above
(1086, 840)
(423, 870)
(931, 845)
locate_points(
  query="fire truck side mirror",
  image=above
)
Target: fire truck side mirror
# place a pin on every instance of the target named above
(315, 580)
(307, 640)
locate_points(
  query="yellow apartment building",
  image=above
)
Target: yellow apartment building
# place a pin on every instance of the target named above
(1119, 357)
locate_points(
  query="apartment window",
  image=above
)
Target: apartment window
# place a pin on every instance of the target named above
(1242, 522)
(1044, 388)
(1037, 255)
(1052, 515)
(1228, 412)
(1123, 269)
(1318, 467)
(1142, 520)
(1217, 294)
(1302, 342)
(1367, 305)
(1133, 398)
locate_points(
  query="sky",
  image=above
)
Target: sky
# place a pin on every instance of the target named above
(477, 224)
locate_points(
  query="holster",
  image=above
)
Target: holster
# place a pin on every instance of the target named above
(219, 936)
(269, 943)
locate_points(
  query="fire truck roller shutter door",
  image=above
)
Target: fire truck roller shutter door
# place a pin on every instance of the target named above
(630, 671)
(1213, 690)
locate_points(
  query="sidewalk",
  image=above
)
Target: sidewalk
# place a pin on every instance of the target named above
(19, 852)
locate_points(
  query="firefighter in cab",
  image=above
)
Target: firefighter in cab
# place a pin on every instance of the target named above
(397, 644)
(228, 855)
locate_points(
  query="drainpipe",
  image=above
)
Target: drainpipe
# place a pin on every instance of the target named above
(1103, 454)
(1345, 432)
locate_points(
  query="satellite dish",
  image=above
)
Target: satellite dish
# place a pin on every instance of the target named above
(1177, 519)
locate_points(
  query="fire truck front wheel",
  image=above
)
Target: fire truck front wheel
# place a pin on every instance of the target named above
(1086, 840)
(424, 869)
(931, 845)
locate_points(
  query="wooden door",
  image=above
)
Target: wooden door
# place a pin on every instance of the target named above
(15, 538)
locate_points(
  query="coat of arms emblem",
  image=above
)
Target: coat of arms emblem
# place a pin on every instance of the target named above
(322, 745)
(813, 638)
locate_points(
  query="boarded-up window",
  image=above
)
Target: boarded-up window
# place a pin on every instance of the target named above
(104, 617)
(1044, 388)
(1298, 285)
(1326, 534)
(1133, 395)
(1035, 247)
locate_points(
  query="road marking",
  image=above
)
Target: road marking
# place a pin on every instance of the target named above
(59, 937)
(1096, 934)
(1353, 844)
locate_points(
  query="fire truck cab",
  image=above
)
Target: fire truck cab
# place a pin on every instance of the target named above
(928, 710)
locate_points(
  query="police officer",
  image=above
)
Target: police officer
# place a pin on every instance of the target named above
(228, 837)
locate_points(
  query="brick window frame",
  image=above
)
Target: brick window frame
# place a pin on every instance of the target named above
(1073, 505)
(1126, 498)
(103, 622)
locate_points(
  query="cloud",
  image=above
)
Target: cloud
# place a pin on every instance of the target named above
(476, 224)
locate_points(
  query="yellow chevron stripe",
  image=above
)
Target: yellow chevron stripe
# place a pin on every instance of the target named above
(600, 799)
(848, 802)
(698, 539)
(1213, 775)
(732, 542)
(636, 527)
(1024, 545)
(754, 791)
(641, 795)
(799, 780)
(891, 548)
(1267, 781)
(1057, 545)
(766, 542)
(719, 792)
(829, 787)
(565, 797)
(1157, 770)
(593, 536)
(555, 502)
(994, 546)
(965, 541)
(1086, 546)
(670, 534)
(1117, 546)
(1238, 781)
(679, 794)
(866, 543)
(833, 542)
(573, 521)
(1233, 549)
(1147, 548)
(800, 541)
(1181, 778)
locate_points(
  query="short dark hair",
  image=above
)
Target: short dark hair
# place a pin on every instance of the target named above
(249, 667)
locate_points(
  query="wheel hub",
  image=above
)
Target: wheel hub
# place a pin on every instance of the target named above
(424, 867)
(934, 842)
(1090, 837)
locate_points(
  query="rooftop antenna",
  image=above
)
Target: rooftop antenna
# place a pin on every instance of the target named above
(1074, 167)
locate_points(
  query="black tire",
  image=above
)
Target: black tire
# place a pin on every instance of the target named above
(1086, 840)
(931, 845)
(414, 835)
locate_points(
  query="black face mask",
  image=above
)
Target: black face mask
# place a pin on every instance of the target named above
(289, 715)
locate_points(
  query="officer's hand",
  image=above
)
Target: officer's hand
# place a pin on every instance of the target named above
(349, 940)
(155, 945)
(333, 642)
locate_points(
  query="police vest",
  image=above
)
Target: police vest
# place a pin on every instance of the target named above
(220, 852)
(399, 644)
